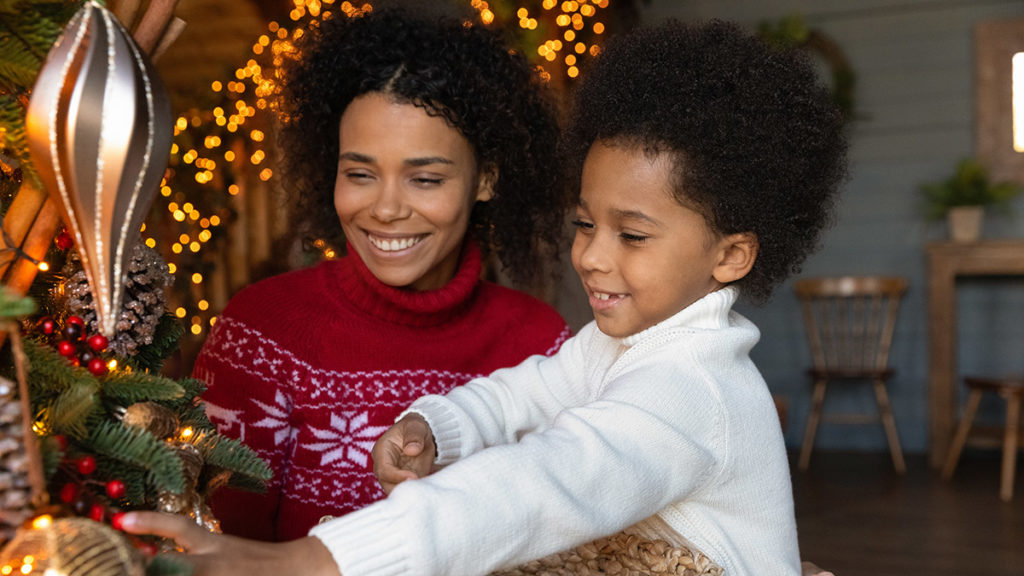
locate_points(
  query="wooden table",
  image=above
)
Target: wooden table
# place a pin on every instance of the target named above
(947, 261)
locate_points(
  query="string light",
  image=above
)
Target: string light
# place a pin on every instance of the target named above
(570, 22)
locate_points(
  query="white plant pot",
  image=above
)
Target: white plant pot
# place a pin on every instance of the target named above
(965, 223)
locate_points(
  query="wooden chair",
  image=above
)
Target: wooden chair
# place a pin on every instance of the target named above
(849, 322)
(1011, 390)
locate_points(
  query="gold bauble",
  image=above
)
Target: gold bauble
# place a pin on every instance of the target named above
(71, 547)
(160, 421)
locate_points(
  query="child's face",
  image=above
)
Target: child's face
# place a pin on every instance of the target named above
(406, 187)
(641, 255)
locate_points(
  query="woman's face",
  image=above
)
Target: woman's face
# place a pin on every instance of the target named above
(406, 186)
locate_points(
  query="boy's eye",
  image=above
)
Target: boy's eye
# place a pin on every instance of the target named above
(583, 225)
(633, 238)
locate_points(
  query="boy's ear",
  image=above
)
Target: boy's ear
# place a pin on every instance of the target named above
(485, 185)
(737, 256)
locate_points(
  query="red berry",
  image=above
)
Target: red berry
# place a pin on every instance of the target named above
(97, 367)
(66, 349)
(76, 320)
(48, 325)
(115, 520)
(72, 332)
(115, 489)
(68, 493)
(64, 241)
(97, 512)
(62, 441)
(86, 465)
(98, 342)
(147, 548)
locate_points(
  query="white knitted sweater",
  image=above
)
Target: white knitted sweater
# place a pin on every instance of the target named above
(670, 433)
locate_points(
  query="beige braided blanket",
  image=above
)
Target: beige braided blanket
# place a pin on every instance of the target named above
(622, 555)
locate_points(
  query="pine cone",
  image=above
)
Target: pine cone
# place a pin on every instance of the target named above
(15, 491)
(144, 299)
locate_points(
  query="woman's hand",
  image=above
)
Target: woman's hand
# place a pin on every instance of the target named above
(405, 451)
(221, 555)
(811, 569)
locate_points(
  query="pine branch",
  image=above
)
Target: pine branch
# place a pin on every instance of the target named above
(13, 305)
(165, 340)
(34, 31)
(134, 480)
(19, 66)
(192, 389)
(50, 374)
(195, 417)
(15, 144)
(164, 565)
(141, 449)
(246, 484)
(69, 412)
(126, 388)
(232, 455)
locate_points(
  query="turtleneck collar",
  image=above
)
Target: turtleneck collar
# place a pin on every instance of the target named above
(415, 308)
(709, 313)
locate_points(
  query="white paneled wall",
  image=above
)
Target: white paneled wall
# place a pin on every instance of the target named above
(914, 62)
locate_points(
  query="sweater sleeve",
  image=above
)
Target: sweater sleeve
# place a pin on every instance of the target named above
(577, 473)
(248, 405)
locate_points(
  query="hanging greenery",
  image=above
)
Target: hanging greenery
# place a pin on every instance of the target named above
(793, 32)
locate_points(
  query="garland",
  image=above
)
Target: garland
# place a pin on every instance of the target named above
(793, 32)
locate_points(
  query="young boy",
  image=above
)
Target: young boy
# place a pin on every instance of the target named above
(708, 166)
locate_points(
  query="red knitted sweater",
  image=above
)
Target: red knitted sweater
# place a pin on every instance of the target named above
(310, 367)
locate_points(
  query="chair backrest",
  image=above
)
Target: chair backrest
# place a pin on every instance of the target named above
(849, 320)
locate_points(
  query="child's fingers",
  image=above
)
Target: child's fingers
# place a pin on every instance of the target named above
(415, 435)
(389, 464)
(182, 530)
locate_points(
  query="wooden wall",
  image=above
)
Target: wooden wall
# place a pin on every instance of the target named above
(914, 61)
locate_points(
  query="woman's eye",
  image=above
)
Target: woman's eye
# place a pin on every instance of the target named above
(428, 182)
(358, 176)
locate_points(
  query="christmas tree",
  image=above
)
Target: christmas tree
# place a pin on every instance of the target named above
(114, 434)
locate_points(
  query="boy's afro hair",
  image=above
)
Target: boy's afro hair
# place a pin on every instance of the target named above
(452, 68)
(758, 144)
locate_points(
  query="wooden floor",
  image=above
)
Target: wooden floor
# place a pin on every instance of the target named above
(857, 517)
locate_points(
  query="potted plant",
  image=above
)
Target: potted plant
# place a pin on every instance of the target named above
(962, 198)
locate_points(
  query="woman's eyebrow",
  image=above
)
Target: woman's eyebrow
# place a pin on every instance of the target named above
(414, 162)
(356, 157)
(428, 160)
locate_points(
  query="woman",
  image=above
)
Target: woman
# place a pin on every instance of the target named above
(422, 144)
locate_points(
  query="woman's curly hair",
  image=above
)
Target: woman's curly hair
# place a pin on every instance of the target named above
(757, 143)
(452, 68)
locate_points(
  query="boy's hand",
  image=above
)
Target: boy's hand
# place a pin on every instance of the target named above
(405, 451)
(221, 555)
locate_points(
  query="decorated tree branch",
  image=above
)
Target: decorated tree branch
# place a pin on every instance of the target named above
(107, 432)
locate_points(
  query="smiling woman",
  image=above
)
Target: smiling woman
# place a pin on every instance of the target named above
(421, 144)
(407, 183)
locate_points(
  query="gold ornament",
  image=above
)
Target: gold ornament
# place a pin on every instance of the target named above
(71, 547)
(191, 502)
(160, 421)
(99, 130)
